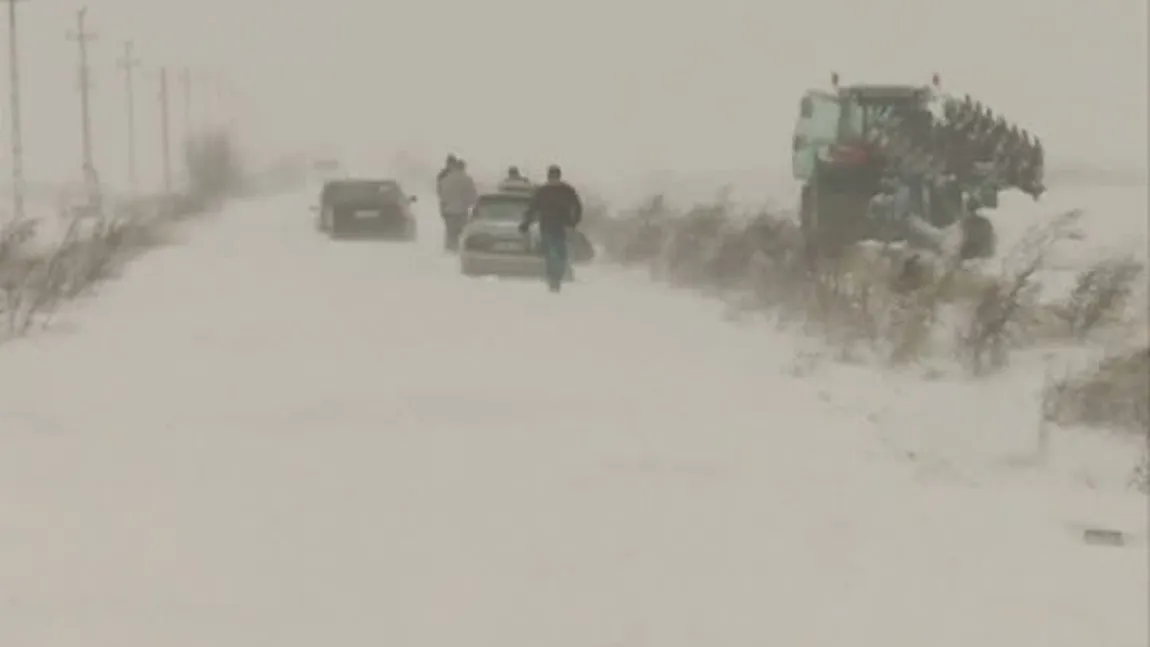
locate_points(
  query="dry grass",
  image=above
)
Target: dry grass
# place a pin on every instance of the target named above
(897, 304)
(1007, 309)
(900, 306)
(35, 281)
(1100, 296)
(1114, 395)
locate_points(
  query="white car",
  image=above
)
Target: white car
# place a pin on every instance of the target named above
(491, 242)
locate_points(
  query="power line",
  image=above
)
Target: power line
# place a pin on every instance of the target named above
(186, 87)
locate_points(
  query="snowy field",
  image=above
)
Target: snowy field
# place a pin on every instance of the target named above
(264, 438)
(1115, 222)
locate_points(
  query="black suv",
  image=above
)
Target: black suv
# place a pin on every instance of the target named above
(379, 208)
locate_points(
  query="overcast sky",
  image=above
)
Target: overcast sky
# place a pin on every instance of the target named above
(607, 87)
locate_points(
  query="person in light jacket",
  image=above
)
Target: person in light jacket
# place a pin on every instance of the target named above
(447, 166)
(457, 193)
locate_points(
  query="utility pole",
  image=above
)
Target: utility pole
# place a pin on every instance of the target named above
(211, 99)
(17, 132)
(165, 131)
(186, 86)
(82, 37)
(128, 64)
(224, 110)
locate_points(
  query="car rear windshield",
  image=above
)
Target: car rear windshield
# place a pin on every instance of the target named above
(503, 208)
(363, 191)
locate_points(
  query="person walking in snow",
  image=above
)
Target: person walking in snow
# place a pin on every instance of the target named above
(457, 193)
(556, 207)
(447, 166)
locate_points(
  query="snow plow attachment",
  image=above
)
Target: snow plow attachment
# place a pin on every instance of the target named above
(967, 141)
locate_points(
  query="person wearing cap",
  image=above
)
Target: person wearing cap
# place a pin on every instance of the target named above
(556, 207)
(515, 182)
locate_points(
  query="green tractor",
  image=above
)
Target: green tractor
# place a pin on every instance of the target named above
(904, 163)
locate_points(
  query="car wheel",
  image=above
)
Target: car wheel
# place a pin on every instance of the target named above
(468, 269)
(337, 226)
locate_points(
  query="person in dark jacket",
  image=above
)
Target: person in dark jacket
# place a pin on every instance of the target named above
(556, 207)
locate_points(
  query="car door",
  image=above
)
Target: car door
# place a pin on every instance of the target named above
(816, 127)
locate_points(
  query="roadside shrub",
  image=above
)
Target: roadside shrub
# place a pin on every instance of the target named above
(37, 277)
(899, 303)
(1115, 394)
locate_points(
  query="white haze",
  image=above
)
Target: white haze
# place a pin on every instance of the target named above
(264, 438)
(607, 87)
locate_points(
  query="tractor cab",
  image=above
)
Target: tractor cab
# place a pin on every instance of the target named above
(874, 159)
(864, 107)
(834, 127)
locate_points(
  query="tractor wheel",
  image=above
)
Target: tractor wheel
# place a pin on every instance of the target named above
(833, 219)
(978, 237)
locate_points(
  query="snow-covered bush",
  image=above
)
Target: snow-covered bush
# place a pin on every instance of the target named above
(36, 276)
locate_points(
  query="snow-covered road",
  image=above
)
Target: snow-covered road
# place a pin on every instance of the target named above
(262, 438)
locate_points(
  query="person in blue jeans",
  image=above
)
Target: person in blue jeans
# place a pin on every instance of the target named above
(556, 207)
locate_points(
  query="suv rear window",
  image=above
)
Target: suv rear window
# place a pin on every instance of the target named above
(362, 191)
(500, 208)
